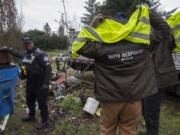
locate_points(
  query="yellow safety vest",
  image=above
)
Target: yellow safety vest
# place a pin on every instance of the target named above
(174, 23)
(136, 30)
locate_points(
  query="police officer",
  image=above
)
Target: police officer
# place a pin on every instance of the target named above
(37, 71)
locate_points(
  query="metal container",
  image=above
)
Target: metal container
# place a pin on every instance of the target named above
(4, 58)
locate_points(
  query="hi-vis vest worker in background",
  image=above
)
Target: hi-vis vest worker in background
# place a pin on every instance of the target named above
(174, 23)
(162, 44)
(123, 68)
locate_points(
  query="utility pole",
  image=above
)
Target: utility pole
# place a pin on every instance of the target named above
(66, 24)
(66, 20)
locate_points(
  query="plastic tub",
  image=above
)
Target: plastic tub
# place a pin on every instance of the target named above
(8, 78)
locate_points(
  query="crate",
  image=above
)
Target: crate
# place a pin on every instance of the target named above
(8, 78)
(4, 58)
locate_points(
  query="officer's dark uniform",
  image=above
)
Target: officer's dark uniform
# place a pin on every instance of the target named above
(38, 78)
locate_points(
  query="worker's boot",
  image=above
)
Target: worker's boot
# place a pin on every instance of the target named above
(43, 125)
(29, 119)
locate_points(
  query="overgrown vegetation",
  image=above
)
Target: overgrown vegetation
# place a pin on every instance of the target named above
(11, 38)
(111, 7)
(47, 41)
(71, 105)
(76, 127)
(75, 121)
(92, 8)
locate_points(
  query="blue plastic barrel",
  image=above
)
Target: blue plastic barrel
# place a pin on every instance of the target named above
(8, 78)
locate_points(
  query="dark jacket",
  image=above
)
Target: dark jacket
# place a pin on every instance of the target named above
(162, 44)
(123, 71)
(132, 77)
(37, 66)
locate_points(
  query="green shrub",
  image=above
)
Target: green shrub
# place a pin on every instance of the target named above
(46, 41)
(71, 105)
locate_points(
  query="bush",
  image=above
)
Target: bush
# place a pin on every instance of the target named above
(46, 41)
(71, 105)
(12, 38)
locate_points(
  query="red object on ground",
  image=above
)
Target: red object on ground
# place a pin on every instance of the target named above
(60, 79)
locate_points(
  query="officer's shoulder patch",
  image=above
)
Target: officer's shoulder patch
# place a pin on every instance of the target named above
(46, 59)
(38, 50)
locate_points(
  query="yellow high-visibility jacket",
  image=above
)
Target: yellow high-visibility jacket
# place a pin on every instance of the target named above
(174, 23)
(137, 30)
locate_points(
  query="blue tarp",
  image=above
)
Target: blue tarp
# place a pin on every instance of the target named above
(8, 78)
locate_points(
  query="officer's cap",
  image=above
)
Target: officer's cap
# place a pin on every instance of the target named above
(26, 39)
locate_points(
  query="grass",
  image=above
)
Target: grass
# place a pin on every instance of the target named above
(56, 52)
(170, 116)
(72, 105)
(78, 127)
(73, 121)
(15, 126)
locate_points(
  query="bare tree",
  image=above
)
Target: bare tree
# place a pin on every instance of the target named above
(20, 18)
(61, 31)
(47, 28)
(8, 14)
(66, 19)
(92, 8)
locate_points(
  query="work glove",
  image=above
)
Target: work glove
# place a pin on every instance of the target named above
(23, 72)
(97, 20)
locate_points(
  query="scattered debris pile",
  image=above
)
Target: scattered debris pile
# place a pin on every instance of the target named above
(68, 95)
(62, 85)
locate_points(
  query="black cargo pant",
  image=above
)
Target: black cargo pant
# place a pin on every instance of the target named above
(151, 112)
(33, 94)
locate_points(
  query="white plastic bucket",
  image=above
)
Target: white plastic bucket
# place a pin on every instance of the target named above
(91, 105)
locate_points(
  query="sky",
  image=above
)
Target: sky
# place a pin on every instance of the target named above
(37, 12)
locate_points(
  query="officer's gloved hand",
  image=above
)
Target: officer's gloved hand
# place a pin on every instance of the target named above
(44, 86)
(23, 72)
(97, 20)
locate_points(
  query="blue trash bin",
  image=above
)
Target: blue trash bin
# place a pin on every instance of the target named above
(8, 78)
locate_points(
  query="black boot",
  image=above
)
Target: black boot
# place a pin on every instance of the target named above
(29, 119)
(43, 125)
